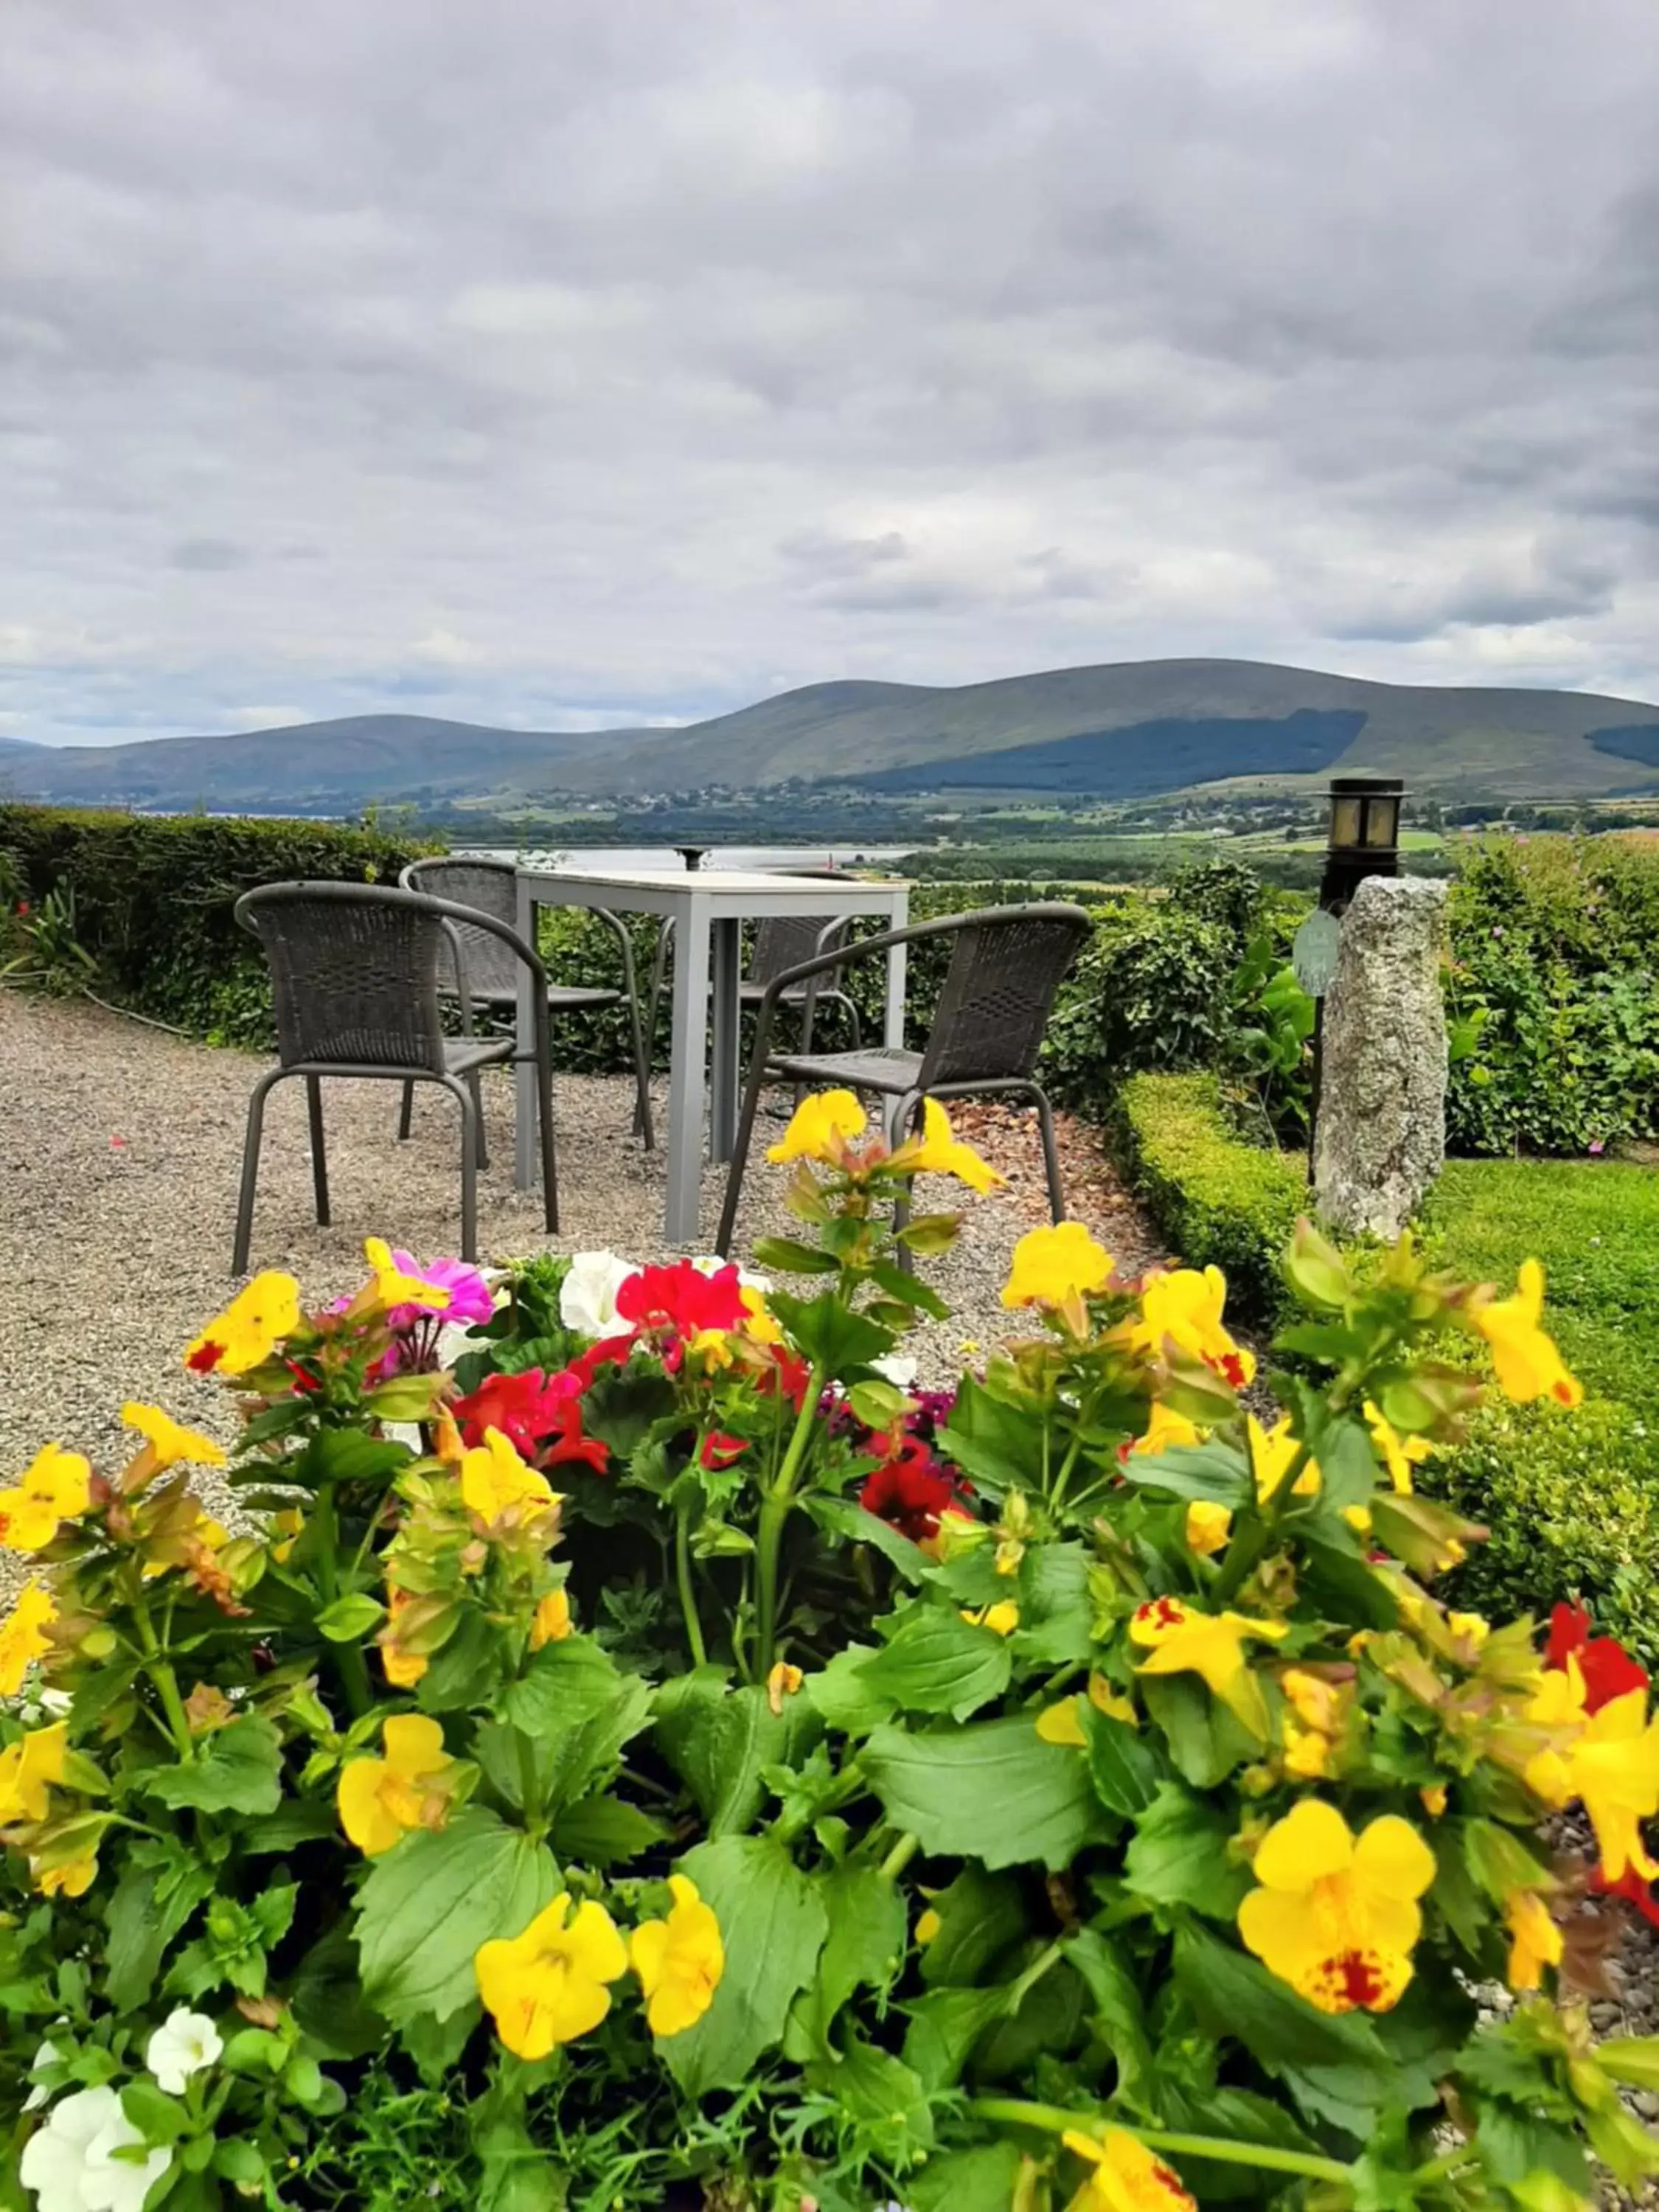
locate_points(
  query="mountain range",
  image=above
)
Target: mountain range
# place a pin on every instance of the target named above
(1122, 730)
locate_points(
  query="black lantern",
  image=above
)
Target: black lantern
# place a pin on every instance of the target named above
(691, 854)
(1364, 836)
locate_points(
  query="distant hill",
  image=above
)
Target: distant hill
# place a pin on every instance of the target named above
(1122, 730)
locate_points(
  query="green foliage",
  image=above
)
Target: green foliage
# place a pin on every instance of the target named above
(150, 900)
(1218, 1201)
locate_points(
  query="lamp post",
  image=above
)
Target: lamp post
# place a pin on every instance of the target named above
(1363, 841)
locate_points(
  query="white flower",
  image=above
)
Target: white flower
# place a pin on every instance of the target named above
(184, 2043)
(587, 1296)
(897, 1368)
(72, 2164)
(47, 2055)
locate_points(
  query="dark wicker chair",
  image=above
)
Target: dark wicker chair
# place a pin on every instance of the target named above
(354, 974)
(1006, 963)
(488, 977)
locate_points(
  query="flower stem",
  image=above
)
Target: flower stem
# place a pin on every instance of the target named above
(774, 1513)
(1055, 2120)
(160, 1671)
(688, 1593)
(348, 1657)
(900, 1856)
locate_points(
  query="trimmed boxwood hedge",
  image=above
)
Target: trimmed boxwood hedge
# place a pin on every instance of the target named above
(1571, 1500)
(154, 899)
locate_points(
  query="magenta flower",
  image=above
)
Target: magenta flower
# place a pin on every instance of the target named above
(471, 1298)
(1597, 1148)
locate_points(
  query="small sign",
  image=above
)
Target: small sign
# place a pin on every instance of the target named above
(1314, 951)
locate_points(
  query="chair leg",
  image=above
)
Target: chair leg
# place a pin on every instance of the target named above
(319, 1157)
(751, 1099)
(251, 1143)
(852, 1022)
(549, 1162)
(408, 1113)
(642, 1126)
(462, 1096)
(475, 1084)
(653, 1006)
(909, 1106)
(1050, 1154)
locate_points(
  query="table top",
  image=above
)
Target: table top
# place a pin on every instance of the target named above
(732, 883)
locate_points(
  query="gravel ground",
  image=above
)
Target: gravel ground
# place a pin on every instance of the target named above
(119, 1153)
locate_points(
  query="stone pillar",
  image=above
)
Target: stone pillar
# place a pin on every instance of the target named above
(1381, 1139)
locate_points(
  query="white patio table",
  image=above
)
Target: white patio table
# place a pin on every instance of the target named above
(709, 907)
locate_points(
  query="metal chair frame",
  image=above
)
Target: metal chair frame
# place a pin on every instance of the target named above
(560, 998)
(428, 1056)
(906, 1080)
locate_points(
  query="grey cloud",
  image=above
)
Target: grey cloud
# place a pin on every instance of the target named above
(650, 357)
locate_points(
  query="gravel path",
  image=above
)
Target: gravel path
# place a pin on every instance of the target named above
(119, 1153)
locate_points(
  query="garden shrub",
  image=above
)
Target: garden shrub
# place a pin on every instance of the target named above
(1059, 1791)
(153, 899)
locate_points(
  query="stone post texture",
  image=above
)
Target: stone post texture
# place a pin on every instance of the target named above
(1381, 1139)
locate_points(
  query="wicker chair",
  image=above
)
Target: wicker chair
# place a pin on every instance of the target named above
(1007, 964)
(354, 971)
(487, 978)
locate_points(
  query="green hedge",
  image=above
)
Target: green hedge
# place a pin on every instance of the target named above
(1571, 1500)
(1214, 1199)
(154, 897)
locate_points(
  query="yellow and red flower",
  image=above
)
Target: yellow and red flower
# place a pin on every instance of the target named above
(1336, 1915)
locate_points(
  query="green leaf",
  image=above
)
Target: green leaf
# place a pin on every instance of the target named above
(1115, 2007)
(787, 1255)
(999, 1443)
(994, 1790)
(843, 1698)
(562, 1684)
(431, 1901)
(1056, 1614)
(835, 1339)
(349, 1619)
(1178, 1855)
(466, 1669)
(296, 1820)
(436, 2046)
(345, 1455)
(938, 1662)
(516, 2176)
(601, 1832)
(866, 1942)
(1632, 2059)
(1233, 1994)
(944, 2026)
(148, 1907)
(773, 1923)
(980, 1916)
(158, 2118)
(326, 1994)
(968, 2181)
(846, 1517)
(1125, 1771)
(720, 1741)
(1214, 1472)
(236, 1770)
(1204, 1740)
(883, 2098)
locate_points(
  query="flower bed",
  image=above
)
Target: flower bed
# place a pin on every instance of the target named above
(691, 1768)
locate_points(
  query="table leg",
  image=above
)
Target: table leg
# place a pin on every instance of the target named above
(893, 1029)
(724, 1072)
(687, 1053)
(523, 1074)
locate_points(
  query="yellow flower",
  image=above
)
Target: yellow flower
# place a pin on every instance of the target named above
(1317, 1702)
(760, 1328)
(1400, 1454)
(495, 1482)
(1208, 1526)
(393, 1287)
(550, 1623)
(403, 1669)
(928, 1924)
(28, 1770)
(1307, 1753)
(1433, 1795)
(679, 1960)
(819, 1128)
(936, 1151)
(1184, 1641)
(57, 1487)
(1184, 1308)
(1052, 1266)
(1002, 1619)
(285, 1526)
(1127, 2176)
(548, 1985)
(247, 1332)
(1614, 1768)
(1536, 1941)
(23, 1637)
(784, 1681)
(380, 1798)
(1116, 1707)
(1528, 1365)
(1271, 1452)
(1336, 1915)
(169, 1443)
(1063, 1724)
(1470, 1628)
(73, 1878)
(1165, 1429)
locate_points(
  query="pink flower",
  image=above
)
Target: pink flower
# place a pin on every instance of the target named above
(471, 1298)
(1597, 1148)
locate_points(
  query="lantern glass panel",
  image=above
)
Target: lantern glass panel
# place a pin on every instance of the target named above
(1382, 822)
(1345, 823)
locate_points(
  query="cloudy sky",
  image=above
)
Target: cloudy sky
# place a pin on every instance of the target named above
(558, 362)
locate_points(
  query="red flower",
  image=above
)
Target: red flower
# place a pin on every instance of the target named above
(789, 1374)
(718, 1450)
(910, 1490)
(1631, 1888)
(205, 1357)
(540, 1416)
(305, 1383)
(1608, 1670)
(680, 1300)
